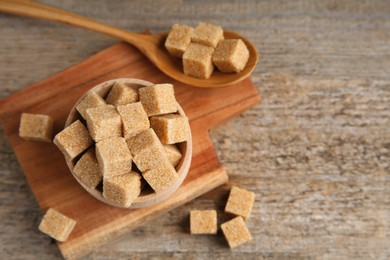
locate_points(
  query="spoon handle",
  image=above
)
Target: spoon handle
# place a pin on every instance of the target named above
(37, 10)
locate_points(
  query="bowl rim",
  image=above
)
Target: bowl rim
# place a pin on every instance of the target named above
(145, 200)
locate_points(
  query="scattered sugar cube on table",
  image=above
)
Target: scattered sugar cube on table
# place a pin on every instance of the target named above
(122, 94)
(236, 232)
(170, 128)
(73, 140)
(178, 39)
(240, 202)
(158, 99)
(113, 156)
(90, 100)
(122, 189)
(103, 122)
(197, 61)
(207, 34)
(203, 222)
(56, 225)
(231, 55)
(87, 169)
(36, 127)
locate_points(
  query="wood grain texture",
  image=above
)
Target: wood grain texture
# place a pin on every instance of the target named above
(316, 151)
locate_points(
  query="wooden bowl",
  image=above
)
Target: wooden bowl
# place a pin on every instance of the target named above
(147, 197)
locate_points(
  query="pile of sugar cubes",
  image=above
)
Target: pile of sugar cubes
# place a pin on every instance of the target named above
(239, 204)
(123, 141)
(203, 47)
(140, 126)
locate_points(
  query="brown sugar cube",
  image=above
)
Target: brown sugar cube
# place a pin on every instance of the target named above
(36, 127)
(240, 202)
(173, 154)
(103, 122)
(203, 222)
(73, 140)
(134, 119)
(150, 158)
(158, 99)
(170, 129)
(231, 55)
(91, 99)
(178, 39)
(147, 151)
(87, 169)
(236, 232)
(144, 140)
(122, 189)
(56, 225)
(113, 156)
(197, 61)
(121, 94)
(207, 34)
(162, 177)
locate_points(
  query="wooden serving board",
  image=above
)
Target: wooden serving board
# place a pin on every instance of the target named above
(45, 168)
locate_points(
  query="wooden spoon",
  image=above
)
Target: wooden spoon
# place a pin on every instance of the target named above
(152, 46)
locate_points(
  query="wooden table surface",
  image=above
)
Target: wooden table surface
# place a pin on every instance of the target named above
(316, 151)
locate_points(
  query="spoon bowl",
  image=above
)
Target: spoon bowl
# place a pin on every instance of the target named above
(152, 46)
(173, 67)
